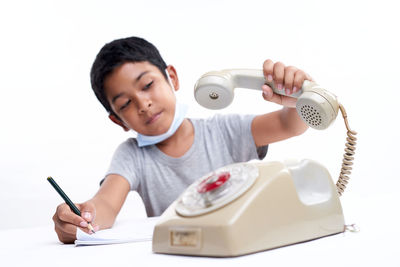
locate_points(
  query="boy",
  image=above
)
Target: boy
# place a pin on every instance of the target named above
(136, 87)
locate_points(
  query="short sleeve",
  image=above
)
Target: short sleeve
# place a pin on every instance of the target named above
(124, 163)
(236, 132)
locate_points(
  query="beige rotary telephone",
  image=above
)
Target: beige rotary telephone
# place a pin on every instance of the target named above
(248, 207)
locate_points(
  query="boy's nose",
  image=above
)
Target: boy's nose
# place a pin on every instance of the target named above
(144, 105)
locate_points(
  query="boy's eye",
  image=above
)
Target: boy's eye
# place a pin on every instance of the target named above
(148, 85)
(125, 105)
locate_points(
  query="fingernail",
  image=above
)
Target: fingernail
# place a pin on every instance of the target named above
(265, 93)
(279, 86)
(83, 224)
(294, 89)
(87, 215)
(287, 91)
(269, 78)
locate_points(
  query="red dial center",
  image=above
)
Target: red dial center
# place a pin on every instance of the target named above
(213, 182)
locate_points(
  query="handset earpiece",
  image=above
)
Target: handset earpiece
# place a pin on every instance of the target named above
(215, 90)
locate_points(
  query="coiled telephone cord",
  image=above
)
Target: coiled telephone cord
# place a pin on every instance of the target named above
(348, 156)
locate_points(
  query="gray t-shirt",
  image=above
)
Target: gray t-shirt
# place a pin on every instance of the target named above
(160, 179)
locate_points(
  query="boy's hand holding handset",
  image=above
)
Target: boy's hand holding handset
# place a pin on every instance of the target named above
(289, 79)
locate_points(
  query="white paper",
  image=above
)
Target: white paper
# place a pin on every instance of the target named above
(137, 230)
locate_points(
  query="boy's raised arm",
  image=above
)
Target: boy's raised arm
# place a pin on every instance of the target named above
(285, 123)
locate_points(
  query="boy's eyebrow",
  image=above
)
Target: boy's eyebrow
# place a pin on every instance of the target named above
(116, 97)
(136, 80)
(141, 75)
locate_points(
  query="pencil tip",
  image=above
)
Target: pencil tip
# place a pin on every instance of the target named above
(91, 228)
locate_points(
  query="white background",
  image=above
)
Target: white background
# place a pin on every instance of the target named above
(52, 124)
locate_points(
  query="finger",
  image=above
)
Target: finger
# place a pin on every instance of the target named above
(66, 229)
(268, 69)
(279, 73)
(270, 96)
(65, 238)
(88, 211)
(267, 92)
(65, 214)
(66, 232)
(299, 78)
(288, 79)
(88, 231)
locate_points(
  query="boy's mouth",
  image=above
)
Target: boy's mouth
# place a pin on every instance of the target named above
(153, 118)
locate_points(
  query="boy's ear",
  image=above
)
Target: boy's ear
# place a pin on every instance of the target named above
(173, 76)
(117, 121)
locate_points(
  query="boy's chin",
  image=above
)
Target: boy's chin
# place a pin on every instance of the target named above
(154, 133)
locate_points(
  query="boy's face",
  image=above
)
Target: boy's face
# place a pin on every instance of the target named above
(141, 97)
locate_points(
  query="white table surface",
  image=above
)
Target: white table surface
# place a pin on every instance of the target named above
(40, 247)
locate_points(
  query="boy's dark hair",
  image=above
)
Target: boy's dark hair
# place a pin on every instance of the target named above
(116, 53)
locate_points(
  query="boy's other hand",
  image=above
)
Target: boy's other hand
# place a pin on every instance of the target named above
(66, 221)
(286, 78)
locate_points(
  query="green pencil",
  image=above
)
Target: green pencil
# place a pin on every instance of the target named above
(67, 200)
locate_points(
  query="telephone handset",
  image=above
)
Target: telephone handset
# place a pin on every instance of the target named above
(315, 105)
(248, 207)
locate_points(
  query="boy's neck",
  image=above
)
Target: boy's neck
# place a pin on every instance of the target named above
(180, 142)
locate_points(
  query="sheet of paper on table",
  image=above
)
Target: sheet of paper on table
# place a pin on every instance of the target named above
(137, 230)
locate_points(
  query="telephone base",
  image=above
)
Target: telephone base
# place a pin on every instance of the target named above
(287, 204)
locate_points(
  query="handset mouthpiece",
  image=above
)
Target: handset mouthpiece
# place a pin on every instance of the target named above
(316, 106)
